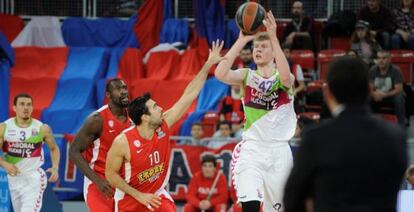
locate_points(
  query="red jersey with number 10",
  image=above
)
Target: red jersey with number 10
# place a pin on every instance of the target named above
(147, 170)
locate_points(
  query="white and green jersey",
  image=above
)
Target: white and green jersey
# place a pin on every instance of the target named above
(23, 146)
(268, 108)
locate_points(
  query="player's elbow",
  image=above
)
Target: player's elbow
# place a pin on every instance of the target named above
(74, 152)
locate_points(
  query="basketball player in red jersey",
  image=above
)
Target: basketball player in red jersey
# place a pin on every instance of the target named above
(137, 163)
(92, 142)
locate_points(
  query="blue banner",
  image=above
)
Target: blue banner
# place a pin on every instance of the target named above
(5, 201)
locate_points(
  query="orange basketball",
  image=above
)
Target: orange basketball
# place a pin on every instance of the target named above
(249, 17)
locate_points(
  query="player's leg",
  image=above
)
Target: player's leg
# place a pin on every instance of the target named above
(276, 178)
(246, 175)
(15, 186)
(32, 194)
(96, 201)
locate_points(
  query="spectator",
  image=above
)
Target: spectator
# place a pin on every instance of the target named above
(380, 19)
(409, 176)
(222, 135)
(237, 129)
(404, 22)
(207, 190)
(296, 71)
(363, 43)
(246, 58)
(197, 134)
(386, 84)
(231, 110)
(231, 107)
(299, 85)
(299, 33)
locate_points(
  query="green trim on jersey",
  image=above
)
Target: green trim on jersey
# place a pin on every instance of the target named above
(252, 115)
(12, 159)
(30, 123)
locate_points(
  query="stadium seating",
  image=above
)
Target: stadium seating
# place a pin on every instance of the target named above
(210, 121)
(314, 96)
(305, 58)
(343, 43)
(325, 57)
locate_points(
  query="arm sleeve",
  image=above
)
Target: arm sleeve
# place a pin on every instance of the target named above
(192, 192)
(223, 193)
(298, 186)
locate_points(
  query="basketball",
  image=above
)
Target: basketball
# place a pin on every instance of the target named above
(249, 17)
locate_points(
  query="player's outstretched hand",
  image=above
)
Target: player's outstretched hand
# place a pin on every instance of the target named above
(54, 175)
(152, 201)
(270, 23)
(105, 188)
(214, 55)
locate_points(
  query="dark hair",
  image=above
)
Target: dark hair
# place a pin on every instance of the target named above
(208, 158)
(286, 46)
(224, 123)
(109, 84)
(368, 37)
(137, 108)
(347, 79)
(21, 95)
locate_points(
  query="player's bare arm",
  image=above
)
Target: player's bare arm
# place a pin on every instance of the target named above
(88, 133)
(11, 169)
(281, 61)
(117, 154)
(54, 152)
(194, 87)
(223, 71)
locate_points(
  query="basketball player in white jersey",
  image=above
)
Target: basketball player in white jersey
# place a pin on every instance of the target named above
(262, 161)
(21, 139)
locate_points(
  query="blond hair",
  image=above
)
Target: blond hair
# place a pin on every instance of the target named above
(261, 36)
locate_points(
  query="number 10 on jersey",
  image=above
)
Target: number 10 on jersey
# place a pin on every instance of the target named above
(154, 158)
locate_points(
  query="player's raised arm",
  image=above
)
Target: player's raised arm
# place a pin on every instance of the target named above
(54, 152)
(117, 154)
(194, 87)
(223, 71)
(281, 61)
